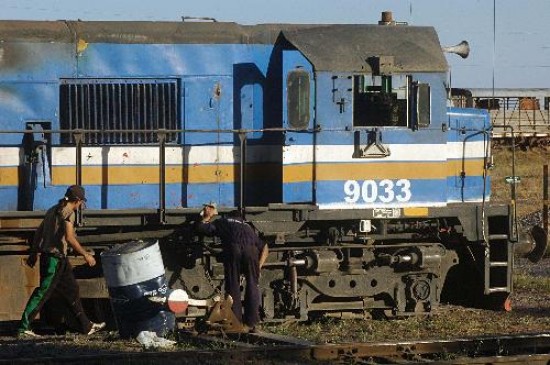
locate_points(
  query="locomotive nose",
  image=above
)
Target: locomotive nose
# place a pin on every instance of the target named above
(532, 244)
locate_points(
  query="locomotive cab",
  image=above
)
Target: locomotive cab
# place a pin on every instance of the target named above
(354, 105)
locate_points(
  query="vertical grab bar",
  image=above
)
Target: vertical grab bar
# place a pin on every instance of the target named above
(78, 137)
(242, 165)
(161, 135)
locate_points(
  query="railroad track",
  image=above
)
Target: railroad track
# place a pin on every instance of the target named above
(273, 349)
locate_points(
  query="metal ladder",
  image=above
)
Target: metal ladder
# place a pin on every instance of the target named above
(499, 261)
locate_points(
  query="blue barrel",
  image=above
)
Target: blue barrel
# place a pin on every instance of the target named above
(134, 271)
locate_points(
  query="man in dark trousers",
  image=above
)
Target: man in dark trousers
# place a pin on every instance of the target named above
(51, 239)
(244, 253)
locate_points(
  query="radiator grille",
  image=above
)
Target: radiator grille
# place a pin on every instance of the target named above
(115, 109)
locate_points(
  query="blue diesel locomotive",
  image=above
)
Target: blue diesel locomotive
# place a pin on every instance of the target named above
(336, 140)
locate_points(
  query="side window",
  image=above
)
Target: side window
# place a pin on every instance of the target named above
(423, 97)
(390, 101)
(114, 107)
(298, 99)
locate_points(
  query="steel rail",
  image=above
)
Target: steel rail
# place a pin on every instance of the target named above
(237, 349)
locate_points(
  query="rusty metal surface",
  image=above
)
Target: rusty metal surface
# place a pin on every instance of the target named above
(17, 281)
(17, 223)
(222, 318)
(34, 31)
(476, 347)
(93, 288)
(140, 32)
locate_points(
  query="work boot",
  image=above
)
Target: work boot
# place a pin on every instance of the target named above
(96, 327)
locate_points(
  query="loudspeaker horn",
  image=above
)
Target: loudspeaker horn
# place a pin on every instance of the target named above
(462, 49)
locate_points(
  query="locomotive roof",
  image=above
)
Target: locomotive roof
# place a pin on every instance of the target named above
(342, 47)
(347, 47)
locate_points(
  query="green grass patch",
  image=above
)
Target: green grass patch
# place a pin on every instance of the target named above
(528, 282)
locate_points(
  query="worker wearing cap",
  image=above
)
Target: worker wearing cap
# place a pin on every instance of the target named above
(51, 240)
(244, 253)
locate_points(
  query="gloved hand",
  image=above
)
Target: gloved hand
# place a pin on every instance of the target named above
(31, 260)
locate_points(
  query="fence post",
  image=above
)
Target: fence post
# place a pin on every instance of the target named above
(545, 198)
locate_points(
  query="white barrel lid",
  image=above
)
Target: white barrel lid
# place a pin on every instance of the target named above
(132, 263)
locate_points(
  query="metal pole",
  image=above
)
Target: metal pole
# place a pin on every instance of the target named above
(161, 134)
(513, 190)
(78, 137)
(545, 198)
(242, 138)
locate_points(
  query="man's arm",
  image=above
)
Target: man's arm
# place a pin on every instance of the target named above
(70, 236)
(35, 245)
(37, 239)
(263, 255)
(207, 228)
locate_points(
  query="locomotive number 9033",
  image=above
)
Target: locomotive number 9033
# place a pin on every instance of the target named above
(370, 191)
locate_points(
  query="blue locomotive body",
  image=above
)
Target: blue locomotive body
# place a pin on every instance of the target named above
(336, 140)
(124, 82)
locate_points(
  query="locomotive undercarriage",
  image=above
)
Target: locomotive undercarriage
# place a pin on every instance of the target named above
(355, 281)
(348, 275)
(350, 266)
(345, 281)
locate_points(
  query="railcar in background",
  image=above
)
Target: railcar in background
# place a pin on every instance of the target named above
(515, 113)
(336, 140)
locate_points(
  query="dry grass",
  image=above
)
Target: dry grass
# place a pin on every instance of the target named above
(531, 283)
(529, 166)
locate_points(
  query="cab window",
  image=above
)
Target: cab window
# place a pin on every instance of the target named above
(390, 101)
(379, 101)
(298, 99)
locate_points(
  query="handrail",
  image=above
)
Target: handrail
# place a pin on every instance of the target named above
(79, 141)
(234, 131)
(515, 233)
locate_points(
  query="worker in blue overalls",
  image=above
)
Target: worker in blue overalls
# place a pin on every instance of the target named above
(243, 253)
